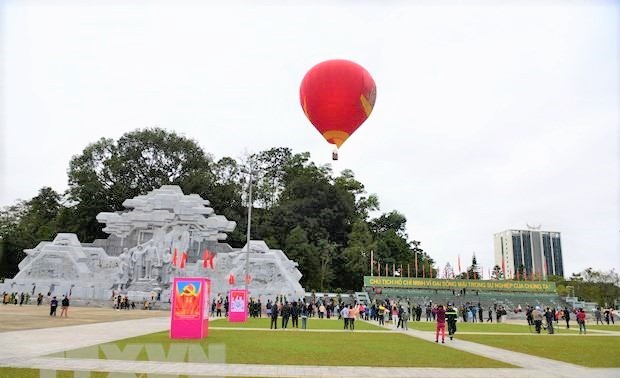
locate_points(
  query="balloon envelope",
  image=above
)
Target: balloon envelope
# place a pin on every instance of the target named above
(337, 96)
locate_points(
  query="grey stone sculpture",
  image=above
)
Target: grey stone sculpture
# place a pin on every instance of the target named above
(138, 258)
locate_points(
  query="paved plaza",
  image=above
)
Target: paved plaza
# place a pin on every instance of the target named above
(30, 348)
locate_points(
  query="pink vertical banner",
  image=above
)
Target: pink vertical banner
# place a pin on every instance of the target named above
(189, 317)
(238, 302)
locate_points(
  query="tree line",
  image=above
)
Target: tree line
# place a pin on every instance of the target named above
(325, 221)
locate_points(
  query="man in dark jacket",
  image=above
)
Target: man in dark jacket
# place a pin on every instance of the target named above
(451, 316)
(53, 306)
(274, 317)
(286, 313)
(567, 316)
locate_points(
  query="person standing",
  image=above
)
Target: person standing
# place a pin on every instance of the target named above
(440, 315)
(581, 320)
(286, 313)
(490, 318)
(295, 315)
(65, 306)
(597, 315)
(404, 317)
(344, 313)
(451, 316)
(274, 317)
(53, 306)
(567, 317)
(39, 299)
(304, 316)
(380, 313)
(352, 316)
(537, 317)
(480, 311)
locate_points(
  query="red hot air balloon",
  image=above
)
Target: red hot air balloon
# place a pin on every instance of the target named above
(337, 96)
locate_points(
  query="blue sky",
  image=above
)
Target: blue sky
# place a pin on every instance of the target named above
(487, 116)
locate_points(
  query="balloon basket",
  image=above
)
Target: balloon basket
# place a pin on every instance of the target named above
(335, 155)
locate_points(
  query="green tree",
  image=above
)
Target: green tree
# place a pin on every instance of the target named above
(25, 224)
(109, 172)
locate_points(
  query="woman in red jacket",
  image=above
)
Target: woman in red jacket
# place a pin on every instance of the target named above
(581, 320)
(440, 315)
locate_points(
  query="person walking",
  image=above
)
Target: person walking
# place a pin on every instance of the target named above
(490, 318)
(581, 320)
(39, 299)
(451, 316)
(53, 306)
(440, 315)
(395, 316)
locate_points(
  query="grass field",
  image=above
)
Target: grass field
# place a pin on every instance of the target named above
(611, 328)
(484, 327)
(590, 351)
(314, 348)
(313, 323)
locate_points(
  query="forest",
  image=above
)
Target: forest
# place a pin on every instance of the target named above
(323, 220)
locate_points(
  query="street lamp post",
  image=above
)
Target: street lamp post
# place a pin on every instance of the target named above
(247, 252)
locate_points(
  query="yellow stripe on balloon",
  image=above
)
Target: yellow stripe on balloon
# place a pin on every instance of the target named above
(366, 105)
(336, 137)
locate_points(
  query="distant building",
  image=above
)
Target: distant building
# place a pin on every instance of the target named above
(540, 252)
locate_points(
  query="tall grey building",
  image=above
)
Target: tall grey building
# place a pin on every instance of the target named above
(540, 252)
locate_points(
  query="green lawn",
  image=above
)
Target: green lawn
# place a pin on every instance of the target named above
(313, 323)
(314, 348)
(612, 328)
(590, 351)
(485, 327)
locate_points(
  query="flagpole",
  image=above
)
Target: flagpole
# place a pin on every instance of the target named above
(372, 263)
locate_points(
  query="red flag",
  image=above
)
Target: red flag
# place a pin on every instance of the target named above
(174, 258)
(231, 279)
(247, 279)
(518, 275)
(183, 260)
(459, 263)
(545, 269)
(504, 268)
(207, 259)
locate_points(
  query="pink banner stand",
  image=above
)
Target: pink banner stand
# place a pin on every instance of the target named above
(189, 316)
(238, 302)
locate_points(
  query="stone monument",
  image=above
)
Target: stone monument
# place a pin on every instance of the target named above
(144, 251)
